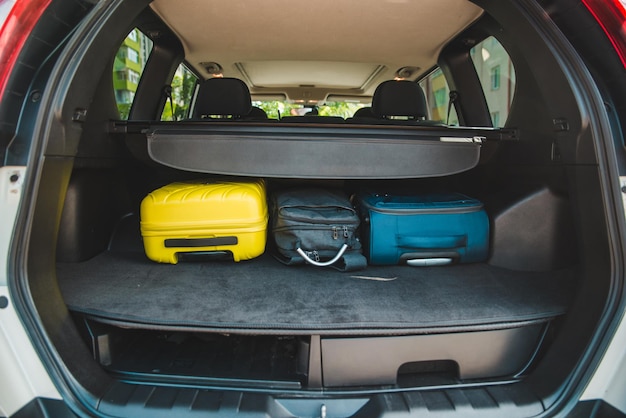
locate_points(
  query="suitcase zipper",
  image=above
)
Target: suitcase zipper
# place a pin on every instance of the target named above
(423, 211)
(202, 228)
(350, 218)
(335, 230)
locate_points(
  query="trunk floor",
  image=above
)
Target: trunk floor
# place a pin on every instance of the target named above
(264, 296)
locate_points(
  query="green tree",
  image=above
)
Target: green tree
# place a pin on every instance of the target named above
(124, 110)
(183, 85)
(343, 109)
(276, 109)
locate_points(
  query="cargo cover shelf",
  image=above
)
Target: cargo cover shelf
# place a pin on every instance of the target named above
(344, 151)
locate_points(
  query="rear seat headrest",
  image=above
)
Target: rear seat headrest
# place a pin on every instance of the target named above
(257, 113)
(399, 98)
(222, 96)
(364, 112)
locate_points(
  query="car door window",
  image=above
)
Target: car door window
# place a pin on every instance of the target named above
(437, 94)
(128, 66)
(497, 77)
(183, 87)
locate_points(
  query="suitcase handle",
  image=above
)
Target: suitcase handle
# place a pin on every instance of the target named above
(200, 242)
(429, 262)
(451, 241)
(308, 259)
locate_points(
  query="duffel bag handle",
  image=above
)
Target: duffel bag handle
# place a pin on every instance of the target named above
(336, 258)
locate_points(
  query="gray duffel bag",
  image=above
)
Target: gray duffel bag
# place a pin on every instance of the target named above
(318, 227)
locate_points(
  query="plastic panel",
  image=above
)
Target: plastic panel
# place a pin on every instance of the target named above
(375, 361)
(94, 202)
(511, 401)
(547, 240)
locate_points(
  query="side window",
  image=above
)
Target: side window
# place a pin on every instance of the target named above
(497, 76)
(437, 94)
(183, 87)
(130, 61)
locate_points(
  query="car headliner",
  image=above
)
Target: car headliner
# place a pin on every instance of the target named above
(310, 50)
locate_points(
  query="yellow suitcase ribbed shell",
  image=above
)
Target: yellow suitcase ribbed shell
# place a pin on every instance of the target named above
(185, 217)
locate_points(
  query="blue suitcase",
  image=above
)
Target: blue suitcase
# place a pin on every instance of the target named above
(423, 230)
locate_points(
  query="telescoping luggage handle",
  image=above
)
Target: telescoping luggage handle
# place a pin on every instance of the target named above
(323, 263)
(450, 242)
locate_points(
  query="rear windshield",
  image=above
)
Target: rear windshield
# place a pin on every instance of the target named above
(276, 109)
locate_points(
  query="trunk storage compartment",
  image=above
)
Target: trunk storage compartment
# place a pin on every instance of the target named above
(500, 353)
(194, 357)
(312, 362)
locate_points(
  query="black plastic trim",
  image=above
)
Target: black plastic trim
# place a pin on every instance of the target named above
(45, 408)
(167, 52)
(209, 401)
(34, 63)
(371, 130)
(596, 409)
(484, 401)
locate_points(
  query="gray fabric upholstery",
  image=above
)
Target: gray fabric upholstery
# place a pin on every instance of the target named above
(264, 294)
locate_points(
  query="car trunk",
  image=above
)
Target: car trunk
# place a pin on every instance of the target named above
(522, 318)
(311, 327)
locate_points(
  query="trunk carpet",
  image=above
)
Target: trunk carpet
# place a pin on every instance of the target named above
(263, 296)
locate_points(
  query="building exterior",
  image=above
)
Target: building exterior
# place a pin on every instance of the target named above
(129, 63)
(497, 76)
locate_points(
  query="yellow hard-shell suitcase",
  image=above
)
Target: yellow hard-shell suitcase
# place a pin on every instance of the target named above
(205, 217)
